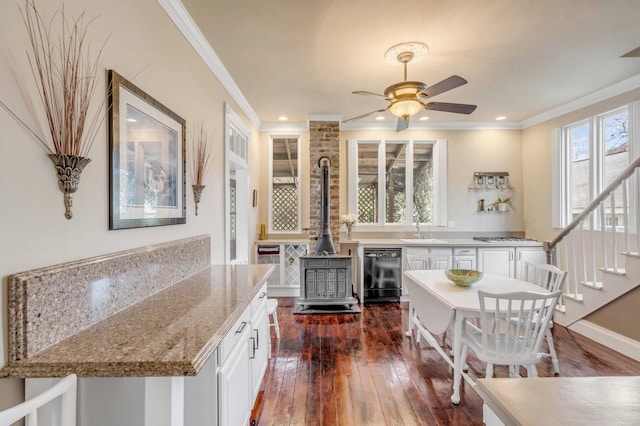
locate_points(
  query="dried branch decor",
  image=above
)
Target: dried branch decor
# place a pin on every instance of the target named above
(66, 78)
(201, 157)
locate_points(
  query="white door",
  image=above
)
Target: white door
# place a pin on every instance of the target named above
(237, 207)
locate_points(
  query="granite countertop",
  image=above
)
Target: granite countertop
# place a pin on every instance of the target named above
(171, 333)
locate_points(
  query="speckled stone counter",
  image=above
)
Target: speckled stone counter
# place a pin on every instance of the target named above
(171, 333)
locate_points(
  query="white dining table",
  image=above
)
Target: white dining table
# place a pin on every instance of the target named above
(439, 303)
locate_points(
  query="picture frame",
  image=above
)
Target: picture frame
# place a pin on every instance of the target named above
(147, 161)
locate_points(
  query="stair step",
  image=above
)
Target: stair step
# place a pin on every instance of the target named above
(596, 285)
(631, 253)
(573, 296)
(619, 271)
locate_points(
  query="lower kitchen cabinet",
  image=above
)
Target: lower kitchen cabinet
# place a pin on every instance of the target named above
(285, 279)
(242, 362)
(508, 261)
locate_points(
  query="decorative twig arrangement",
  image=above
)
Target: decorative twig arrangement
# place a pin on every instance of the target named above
(201, 157)
(66, 79)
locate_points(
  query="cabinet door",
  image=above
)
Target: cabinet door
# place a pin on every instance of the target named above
(498, 261)
(259, 350)
(234, 379)
(528, 254)
(464, 258)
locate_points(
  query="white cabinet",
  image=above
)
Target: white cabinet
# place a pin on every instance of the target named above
(464, 258)
(508, 261)
(242, 361)
(259, 342)
(444, 251)
(528, 254)
(285, 280)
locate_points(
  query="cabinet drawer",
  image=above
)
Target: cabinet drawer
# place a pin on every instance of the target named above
(259, 300)
(235, 334)
(467, 251)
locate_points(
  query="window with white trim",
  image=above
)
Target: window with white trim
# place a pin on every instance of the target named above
(594, 152)
(284, 183)
(398, 182)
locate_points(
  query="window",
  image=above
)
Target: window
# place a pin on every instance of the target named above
(284, 203)
(398, 182)
(596, 151)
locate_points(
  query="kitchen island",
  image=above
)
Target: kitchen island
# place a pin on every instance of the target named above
(190, 352)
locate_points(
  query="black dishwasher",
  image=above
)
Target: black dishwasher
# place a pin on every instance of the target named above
(382, 275)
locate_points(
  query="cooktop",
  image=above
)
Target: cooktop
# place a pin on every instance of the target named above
(501, 239)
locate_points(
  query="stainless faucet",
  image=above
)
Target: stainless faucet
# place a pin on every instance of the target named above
(417, 234)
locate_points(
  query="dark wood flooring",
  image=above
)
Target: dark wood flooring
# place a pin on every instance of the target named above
(361, 369)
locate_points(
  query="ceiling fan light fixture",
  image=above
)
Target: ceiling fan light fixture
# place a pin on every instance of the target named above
(405, 108)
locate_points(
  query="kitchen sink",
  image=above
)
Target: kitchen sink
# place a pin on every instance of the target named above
(422, 241)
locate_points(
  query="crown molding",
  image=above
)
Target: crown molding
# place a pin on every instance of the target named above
(323, 117)
(178, 13)
(187, 26)
(420, 125)
(284, 127)
(598, 96)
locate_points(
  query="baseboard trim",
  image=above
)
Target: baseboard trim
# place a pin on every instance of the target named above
(606, 337)
(283, 291)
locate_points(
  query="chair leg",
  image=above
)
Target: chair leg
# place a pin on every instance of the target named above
(411, 313)
(552, 352)
(488, 374)
(532, 371)
(275, 324)
(513, 371)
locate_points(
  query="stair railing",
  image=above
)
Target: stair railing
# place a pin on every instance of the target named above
(588, 245)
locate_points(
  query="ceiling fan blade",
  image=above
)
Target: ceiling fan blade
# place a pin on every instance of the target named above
(448, 107)
(364, 115)
(365, 93)
(403, 123)
(441, 87)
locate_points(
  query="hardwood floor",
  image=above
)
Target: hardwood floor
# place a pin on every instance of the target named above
(361, 369)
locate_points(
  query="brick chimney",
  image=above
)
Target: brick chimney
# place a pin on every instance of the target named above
(324, 138)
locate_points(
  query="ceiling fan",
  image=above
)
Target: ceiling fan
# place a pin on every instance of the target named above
(407, 98)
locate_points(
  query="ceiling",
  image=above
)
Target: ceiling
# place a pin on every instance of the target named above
(521, 58)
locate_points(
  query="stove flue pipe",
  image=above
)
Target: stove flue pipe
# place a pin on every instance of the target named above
(325, 243)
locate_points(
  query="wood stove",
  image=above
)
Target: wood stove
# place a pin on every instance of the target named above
(325, 277)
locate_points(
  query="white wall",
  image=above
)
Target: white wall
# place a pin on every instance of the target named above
(145, 47)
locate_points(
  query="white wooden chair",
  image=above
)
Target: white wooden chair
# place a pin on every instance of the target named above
(549, 278)
(417, 262)
(512, 327)
(272, 305)
(65, 388)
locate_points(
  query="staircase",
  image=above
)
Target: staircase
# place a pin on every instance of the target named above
(600, 249)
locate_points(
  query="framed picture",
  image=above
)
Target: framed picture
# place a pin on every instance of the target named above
(147, 173)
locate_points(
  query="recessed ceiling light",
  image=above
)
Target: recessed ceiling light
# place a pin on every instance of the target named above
(380, 117)
(283, 118)
(132, 120)
(502, 117)
(424, 118)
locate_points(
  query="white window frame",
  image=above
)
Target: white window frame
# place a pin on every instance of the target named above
(439, 181)
(298, 191)
(561, 181)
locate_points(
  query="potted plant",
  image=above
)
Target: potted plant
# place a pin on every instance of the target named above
(502, 205)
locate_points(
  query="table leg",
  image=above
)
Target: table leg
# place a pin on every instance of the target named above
(410, 319)
(457, 364)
